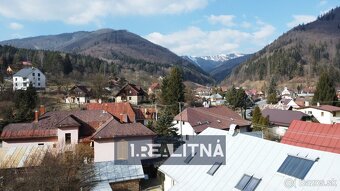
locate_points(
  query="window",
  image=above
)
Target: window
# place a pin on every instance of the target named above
(122, 150)
(16, 79)
(38, 79)
(214, 168)
(24, 84)
(40, 144)
(38, 84)
(310, 112)
(68, 138)
(183, 122)
(322, 113)
(186, 137)
(248, 183)
(38, 74)
(33, 74)
(16, 84)
(189, 158)
(129, 98)
(296, 167)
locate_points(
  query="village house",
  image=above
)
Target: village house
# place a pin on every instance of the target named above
(323, 137)
(56, 128)
(253, 164)
(29, 75)
(111, 142)
(78, 94)
(124, 112)
(154, 88)
(193, 121)
(216, 99)
(289, 103)
(203, 92)
(131, 93)
(286, 94)
(326, 114)
(280, 120)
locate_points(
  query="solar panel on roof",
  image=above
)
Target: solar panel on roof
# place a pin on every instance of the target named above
(214, 168)
(247, 183)
(296, 167)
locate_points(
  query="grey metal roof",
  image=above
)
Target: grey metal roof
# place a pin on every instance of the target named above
(25, 72)
(116, 171)
(258, 157)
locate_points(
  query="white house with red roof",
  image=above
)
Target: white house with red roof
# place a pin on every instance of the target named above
(193, 121)
(326, 114)
(131, 93)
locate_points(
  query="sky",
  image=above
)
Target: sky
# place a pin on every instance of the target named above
(186, 27)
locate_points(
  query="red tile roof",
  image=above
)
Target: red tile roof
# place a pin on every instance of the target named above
(117, 110)
(220, 117)
(324, 137)
(115, 129)
(87, 121)
(131, 90)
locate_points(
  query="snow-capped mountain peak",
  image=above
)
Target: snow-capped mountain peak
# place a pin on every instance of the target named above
(216, 58)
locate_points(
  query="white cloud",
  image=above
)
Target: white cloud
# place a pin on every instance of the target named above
(300, 19)
(16, 26)
(83, 12)
(195, 41)
(226, 20)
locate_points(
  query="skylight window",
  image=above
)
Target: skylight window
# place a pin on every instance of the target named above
(189, 158)
(296, 167)
(248, 183)
(214, 168)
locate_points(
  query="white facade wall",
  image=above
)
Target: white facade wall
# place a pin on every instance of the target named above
(132, 99)
(322, 116)
(27, 142)
(168, 182)
(104, 150)
(63, 131)
(22, 83)
(77, 100)
(184, 128)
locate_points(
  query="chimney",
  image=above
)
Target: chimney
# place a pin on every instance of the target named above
(36, 116)
(123, 118)
(105, 108)
(42, 110)
(306, 103)
(318, 104)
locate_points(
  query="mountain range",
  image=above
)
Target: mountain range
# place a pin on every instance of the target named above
(218, 66)
(118, 47)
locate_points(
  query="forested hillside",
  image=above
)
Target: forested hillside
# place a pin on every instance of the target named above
(305, 51)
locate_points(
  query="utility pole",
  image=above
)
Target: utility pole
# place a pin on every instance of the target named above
(180, 114)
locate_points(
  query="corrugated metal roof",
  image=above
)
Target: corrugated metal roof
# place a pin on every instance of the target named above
(258, 157)
(324, 137)
(22, 156)
(116, 171)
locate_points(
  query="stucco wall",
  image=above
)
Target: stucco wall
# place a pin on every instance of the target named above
(325, 119)
(63, 131)
(104, 150)
(168, 182)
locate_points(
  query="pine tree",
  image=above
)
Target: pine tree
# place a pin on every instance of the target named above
(173, 90)
(256, 115)
(272, 95)
(164, 126)
(67, 65)
(25, 103)
(325, 90)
